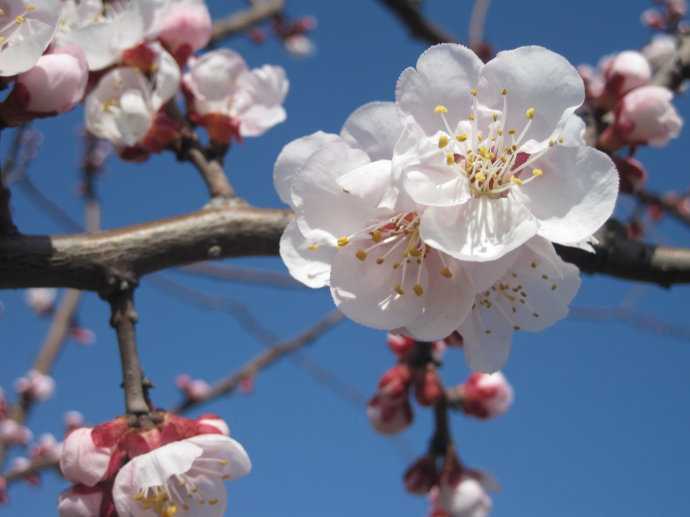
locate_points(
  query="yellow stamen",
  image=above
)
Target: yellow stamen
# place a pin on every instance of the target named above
(461, 138)
(30, 8)
(313, 247)
(440, 109)
(343, 241)
(446, 272)
(361, 255)
(450, 159)
(480, 177)
(398, 289)
(376, 236)
(530, 113)
(473, 92)
(20, 19)
(418, 290)
(537, 172)
(516, 180)
(504, 91)
(442, 141)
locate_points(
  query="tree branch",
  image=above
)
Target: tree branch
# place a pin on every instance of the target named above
(242, 275)
(264, 360)
(667, 205)
(243, 20)
(677, 69)
(410, 14)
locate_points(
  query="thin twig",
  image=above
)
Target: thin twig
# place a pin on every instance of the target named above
(478, 22)
(240, 22)
(410, 14)
(264, 360)
(667, 205)
(242, 275)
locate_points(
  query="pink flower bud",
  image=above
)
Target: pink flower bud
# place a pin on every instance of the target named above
(486, 395)
(395, 381)
(467, 498)
(57, 81)
(82, 335)
(73, 420)
(3, 490)
(13, 432)
(653, 19)
(35, 385)
(400, 345)
(186, 28)
(677, 8)
(389, 414)
(80, 501)
(41, 300)
(47, 448)
(299, 45)
(660, 50)
(3, 405)
(428, 387)
(81, 460)
(626, 71)
(421, 476)
(644, 116)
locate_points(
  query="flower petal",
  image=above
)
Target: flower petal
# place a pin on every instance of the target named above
(575, 195)
(487, 338)
(166, 78)
(81, 461)
(293, 157)
(445, 74)
(236, 462)
(481, 229)
(307, 261)
(375, 128)
(535, 78)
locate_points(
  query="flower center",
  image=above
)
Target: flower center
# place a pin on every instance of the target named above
(181, 493)
(494, 160)
(396, 241)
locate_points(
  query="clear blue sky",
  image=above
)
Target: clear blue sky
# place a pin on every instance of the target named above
(602, 417)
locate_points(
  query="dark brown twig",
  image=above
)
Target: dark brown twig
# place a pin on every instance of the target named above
(410, 14)
(240, 22)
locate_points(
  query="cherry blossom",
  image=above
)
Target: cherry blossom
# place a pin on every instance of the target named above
(194, 389)
(80, 501)
(55, 84)
(124, 108)
(73, 420)
(82, 461)
(660, 50)
(41, 299)
(27, 30)
(35, 385)
(182, 476)
(465, 498)
(486, 395)
(13, 432)
(104, 30)
(232, 101)
(626, 71)
(515, 167)
(644, 116)
(184, 27)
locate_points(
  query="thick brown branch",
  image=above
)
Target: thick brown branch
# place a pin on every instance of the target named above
(243, 20)
(410, 14)
(86, 261)
(264, 360)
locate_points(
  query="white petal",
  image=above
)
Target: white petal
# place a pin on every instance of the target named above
(134, 117)
(258, 105)
(212, 78)
(487, 338)
(575, 195)
(74, 504)
(445, 74)
(375, 128)
(482, 275)
(235, 459)
(307, 261)
(156, 467)
(481, 229)
(320, 202)
(81, 461)
(447, 301)
(166, 78)
(364, 290)
(368, 182)
(26, 44)
(535, 78)
(293, 157)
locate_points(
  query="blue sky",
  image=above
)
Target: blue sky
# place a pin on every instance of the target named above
(602, 413)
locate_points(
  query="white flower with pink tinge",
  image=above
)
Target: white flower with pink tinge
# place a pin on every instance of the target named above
(124, 104)
(35, 385)
(183, 26)
(183, 477)
(467, 498)
(231, 100)
(41, 299)
(496, 152)
(486, 395)
(26, 30)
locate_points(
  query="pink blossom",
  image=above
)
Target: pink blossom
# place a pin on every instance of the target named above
(185, 28)
(644, 116)
(35, 385)
(41, 299)
(47, 448)
(73, 420)
(57, 81)
(80, 502)
(389, 414)
(486, 395)
(193, 389)
(20, 464)
(13, 432)
(299, 45)
(626, 71)
(660, 49)
(81, 460)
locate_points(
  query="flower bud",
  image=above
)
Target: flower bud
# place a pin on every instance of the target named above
(389, 414)
(186, 28)
(400, 345)
(660, 50)
(631, 172)
(13, 432)
(56, 83)
(395, 381)
(486, 395)
(47, 448)
(467, 498)
(421, 476)
(80, 501)
(299, 45)
(35, 385)
(626, 71)
(41, 300)
(3, 490)
(82, 460)
(644, 116)
(73, 420)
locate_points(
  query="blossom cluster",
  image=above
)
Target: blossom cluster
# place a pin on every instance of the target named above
(127, 61)
(176, 466)
(439, 212)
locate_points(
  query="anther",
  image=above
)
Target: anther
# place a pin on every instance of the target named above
(379, 260)
(473, 92)
(442, 141)
(313, 247)
(418, 290)
(530, 113)
(361, 255)
(398, 289)
(20, 19)
(376, 236)
(461, 138)
(516, 181)
(537, 172)
(440, 108)
(343, 241)
(450, 159)
(504, 91)
(446, 272)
